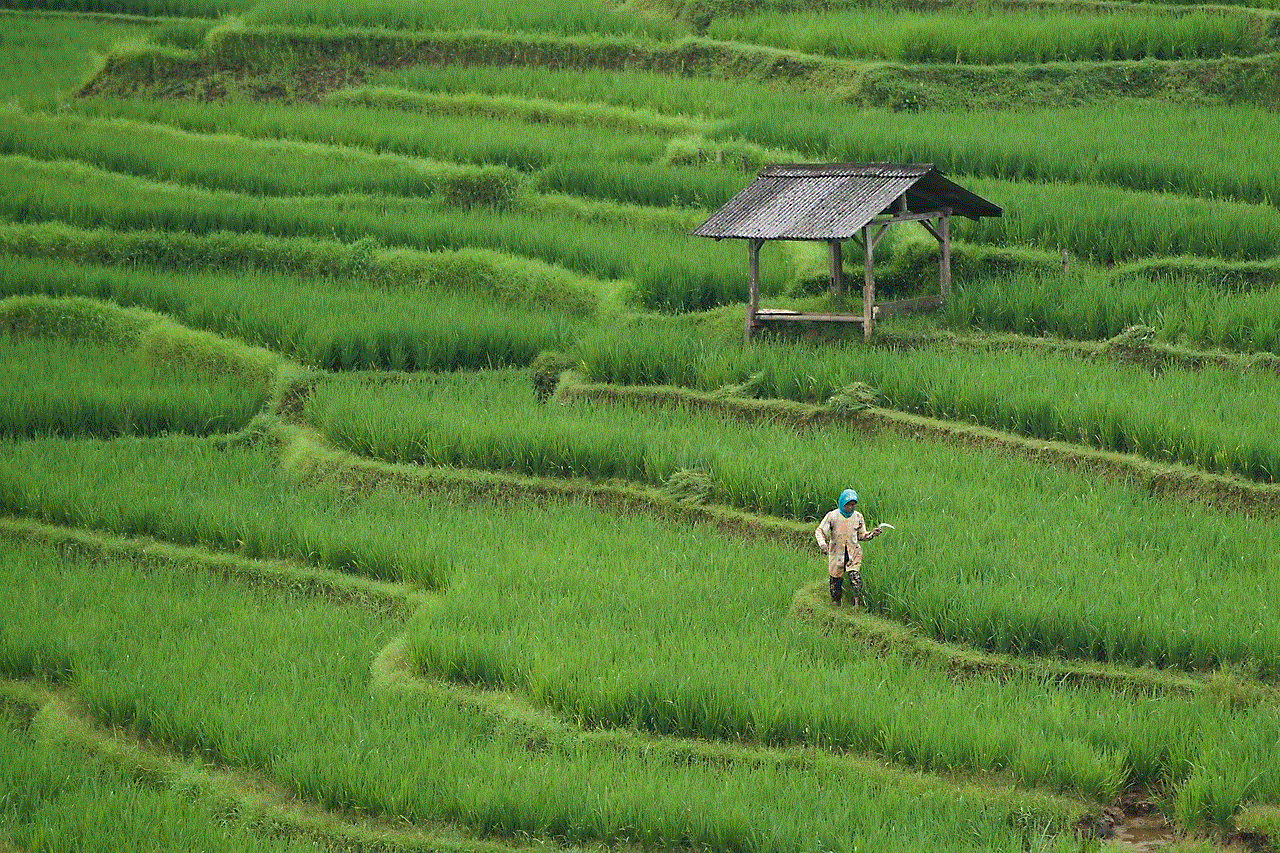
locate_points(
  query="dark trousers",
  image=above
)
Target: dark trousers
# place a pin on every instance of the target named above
(855, 584)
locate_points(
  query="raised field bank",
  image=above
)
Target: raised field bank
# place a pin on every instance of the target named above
(383, 468)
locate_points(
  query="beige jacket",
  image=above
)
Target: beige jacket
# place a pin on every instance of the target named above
(835, 534)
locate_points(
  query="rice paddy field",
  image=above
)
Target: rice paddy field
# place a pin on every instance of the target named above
(382, 468)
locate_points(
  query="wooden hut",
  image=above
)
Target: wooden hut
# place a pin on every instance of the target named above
(843, 201)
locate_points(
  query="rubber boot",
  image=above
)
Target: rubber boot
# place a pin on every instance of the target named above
(837, 590)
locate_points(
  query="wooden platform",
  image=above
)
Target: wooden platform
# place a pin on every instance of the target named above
(900, 306)
(774, 315)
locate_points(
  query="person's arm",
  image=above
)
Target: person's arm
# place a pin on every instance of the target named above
(818, 535)
(863, 535)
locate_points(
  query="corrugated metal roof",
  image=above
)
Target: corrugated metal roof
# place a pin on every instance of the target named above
(832, 201)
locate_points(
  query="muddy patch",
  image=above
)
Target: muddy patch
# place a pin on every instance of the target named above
(1139, 826)
(1131, 823)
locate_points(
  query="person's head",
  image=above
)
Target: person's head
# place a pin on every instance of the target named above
(848, 502)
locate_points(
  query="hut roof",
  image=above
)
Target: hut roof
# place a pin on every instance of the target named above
(833, 201)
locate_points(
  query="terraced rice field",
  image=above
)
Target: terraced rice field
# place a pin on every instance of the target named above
(381, 468)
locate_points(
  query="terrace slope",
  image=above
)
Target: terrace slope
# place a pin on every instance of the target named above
(320, 204)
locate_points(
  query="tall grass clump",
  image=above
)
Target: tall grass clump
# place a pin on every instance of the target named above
(1095, 306)
(601, 645)
(149, 8)
(153, 339)
(508, 280)
(197, 492)
(568, 17)
(494, 423)
(196, 664)
(52, 387)
(344, 325)
(46, 56)
(670, 271)
(697, 98)
(528, 109)
(541, 611)
(1133, 144)
(996, 35)
(634, 667)
(53, 797)
(1221, 420)
(456, 139)
(239, 164)
(1109, 224)
(654, 185)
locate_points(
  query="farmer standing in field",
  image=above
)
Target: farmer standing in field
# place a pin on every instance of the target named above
(838, 536)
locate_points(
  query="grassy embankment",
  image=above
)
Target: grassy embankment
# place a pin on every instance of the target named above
(663, 136)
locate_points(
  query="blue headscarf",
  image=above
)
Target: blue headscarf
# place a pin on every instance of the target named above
(846, 496)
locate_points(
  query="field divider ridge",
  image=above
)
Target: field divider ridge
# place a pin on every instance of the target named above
(1180, 482)
(254, 798)
(810, 605)
(146, 552)
(393, 671)
(54, 712)
(234, 49)
(308, 456)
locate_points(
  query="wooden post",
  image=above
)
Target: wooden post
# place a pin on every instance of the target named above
(837, 270)
(753, 298)
(944, 227)
(868, 283)
(1066, 261)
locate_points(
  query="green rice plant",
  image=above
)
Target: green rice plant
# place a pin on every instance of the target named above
(996, 35)
(1220, 419)
(1015, 596)
(627, 670)
(44, 56)
(181, 33)
(1109, 224)
(304, 654)
(511, 281)
(697, 98)
(54, 799)
(279, 53)
(60, 388)
(199, 492)
(1094, 306)
(681, 220)
(728, 8)
(670, 272)
(195, 663)
(166, 8)
(571, 17)
(531, 110)
(654, 185)
(1228, 276)
(459, 139)
(152, 338)
(262, 167)
(345, 326)
(1133, 144)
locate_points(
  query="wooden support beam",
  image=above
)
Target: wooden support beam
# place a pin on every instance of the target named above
(912, 217)
(753, 297)
(944, 225)
(837, 270)
(776, 315)
(868, 283)
(884, 229)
